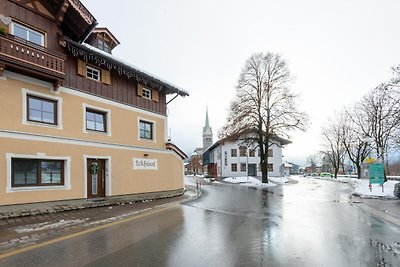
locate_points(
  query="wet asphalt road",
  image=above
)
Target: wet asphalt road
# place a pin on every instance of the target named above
(310, 223)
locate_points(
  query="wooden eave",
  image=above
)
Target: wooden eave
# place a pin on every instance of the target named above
(176, 149)
(106, 61)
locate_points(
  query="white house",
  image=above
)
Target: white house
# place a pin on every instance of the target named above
(230, 159)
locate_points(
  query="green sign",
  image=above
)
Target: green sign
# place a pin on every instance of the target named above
(376, 174)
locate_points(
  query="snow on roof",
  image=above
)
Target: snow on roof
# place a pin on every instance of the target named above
(180, 91)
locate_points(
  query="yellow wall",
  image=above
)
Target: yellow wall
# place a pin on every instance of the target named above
(124, 122)
(119, 149)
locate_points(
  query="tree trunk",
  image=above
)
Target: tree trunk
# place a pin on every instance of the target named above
(264, 171)
(358, 166)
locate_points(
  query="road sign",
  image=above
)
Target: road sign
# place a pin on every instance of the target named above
(376, 173)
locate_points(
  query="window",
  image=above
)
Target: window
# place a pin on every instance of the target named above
(233, 152)
(146, 93)
(243, 167)
(270, 167)
(42, 110)
(27, 34)
(37, 172)
(92, 73)
(145, 130)
(96, 120)
(234, 167)
(243, 151)
(103, 45)
(252, 152)
(270, 153)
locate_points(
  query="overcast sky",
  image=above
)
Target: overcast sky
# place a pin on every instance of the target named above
(337, 51)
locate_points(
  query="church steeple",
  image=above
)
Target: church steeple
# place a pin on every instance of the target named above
(207, 133)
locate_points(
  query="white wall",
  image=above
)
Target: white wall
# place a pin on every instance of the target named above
(222, 156)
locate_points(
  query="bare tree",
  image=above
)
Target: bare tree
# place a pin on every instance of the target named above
(264, 107)
(195, 163)
(379, 120)
(354, 141)
(313, 161)
(334, 149)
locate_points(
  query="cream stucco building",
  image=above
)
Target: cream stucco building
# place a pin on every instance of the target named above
(75, 121)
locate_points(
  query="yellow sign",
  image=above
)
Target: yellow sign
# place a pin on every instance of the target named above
(370, 160)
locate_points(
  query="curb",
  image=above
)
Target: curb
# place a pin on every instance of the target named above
(381, 214)
(34, 211)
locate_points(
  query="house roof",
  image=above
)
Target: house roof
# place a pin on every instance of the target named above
(110, 62)
(282, 141)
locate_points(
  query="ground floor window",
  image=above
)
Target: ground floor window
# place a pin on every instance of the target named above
(234, 167)
(243, 167)
(37, 172)
(270, 167)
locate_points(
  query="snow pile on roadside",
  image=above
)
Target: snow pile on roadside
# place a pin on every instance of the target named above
(247, 181)
(362, 189)
(278, 180)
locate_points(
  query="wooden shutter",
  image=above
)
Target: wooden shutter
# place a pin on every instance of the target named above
(81, 68)
(154, 95)
(139, 90)
(105, 77)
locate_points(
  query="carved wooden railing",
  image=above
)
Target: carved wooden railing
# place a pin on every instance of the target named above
(32, 56)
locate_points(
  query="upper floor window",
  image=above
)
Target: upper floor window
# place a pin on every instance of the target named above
(243, 151)
(103, 45)
(96, 120)
(233, 152)
(146, 93)
(42, 110)
(93, 73)
(252, 152)
(270, 152)
(145, 130)
(27, 33)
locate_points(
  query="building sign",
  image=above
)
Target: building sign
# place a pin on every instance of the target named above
(376, 173)
(226, 158)
(144, 164)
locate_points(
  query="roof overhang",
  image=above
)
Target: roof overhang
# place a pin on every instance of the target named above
(112, 63)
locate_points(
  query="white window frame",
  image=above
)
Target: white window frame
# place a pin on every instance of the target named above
(102, 110)
(67, 173)
(93, 70)
(146, 93)
(25, 121)
(42, 34)
(154, 130)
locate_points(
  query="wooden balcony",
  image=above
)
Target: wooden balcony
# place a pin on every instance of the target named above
(28, 58)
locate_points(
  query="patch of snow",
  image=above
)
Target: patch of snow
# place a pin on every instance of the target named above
(247, 181)
(362, 189)
(47, 225)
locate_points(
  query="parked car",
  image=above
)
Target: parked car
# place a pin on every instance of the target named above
(326, 174)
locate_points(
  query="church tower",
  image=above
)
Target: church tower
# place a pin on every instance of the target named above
(207, 133)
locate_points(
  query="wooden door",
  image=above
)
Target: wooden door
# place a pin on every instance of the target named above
(96, 178)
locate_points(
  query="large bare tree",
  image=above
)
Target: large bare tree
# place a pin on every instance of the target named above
(264, 107)
(379, 120)
(354, 141)
(334, 149)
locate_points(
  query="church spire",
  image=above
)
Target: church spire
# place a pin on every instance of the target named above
(207, 124)
(207, 133)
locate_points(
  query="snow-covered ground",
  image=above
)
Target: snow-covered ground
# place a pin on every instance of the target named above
(254, 182)
(361, 187)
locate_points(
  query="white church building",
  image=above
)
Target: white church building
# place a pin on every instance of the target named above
(233, 159)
